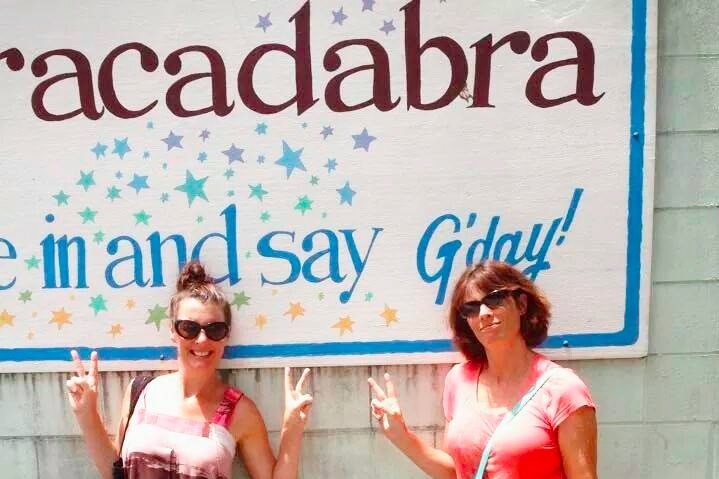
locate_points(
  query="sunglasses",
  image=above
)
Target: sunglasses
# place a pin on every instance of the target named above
(492, 300)
(188, 329)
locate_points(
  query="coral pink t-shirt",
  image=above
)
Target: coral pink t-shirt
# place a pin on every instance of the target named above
(526, 447)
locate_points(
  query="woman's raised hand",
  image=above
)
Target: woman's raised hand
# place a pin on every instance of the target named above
(385, 408)
(83, 387)
(297, 404)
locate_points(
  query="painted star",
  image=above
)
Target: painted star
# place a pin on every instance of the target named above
(142, 217)
(363, 140)
(344, 324)
(264, 22)
(260, 321)
(25, 296)
(98, 237)
(240, 299)
(200, 219)
(99, 150)
(229, 173)
(368, 296)
(118, 175)
(261, 128)
(61, 198)
(389, 315)
(202, 157)
(113, 193)
(261, 159)
(173, 141)
(30, 334)
(130, 304)
(193, 188)
(32, 263)
(121, 148)
(86, 180)
(290, 159)
(138, 183)
(314, 180)
(98, 304)
(87, 215)
(115, 330)
(387, 26)
(321, 296)
(6, 318)
(294, 311)
(338, 16)
(146, 155)
(150, 125)
(61, 318)
(234, 154)
(257, 191)
(165, 197)
(157, 314)
(230, 193)
(205, 135)
(304, 124)
(265, 217)
(248, 254)
(327, 131)
(331, 165)
(367, 5)
(304, 204)
(346, 193)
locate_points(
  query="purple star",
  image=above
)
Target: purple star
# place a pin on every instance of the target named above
(234, 154)
(205, 134)
(264, 22)
(339, 16)
(326, 131)
(367, 5)
(173, 141)
(387, 26)
(363, 140)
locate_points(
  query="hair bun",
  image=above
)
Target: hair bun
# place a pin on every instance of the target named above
(193, 274)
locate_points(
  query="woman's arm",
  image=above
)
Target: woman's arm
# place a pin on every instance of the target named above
(578, 444)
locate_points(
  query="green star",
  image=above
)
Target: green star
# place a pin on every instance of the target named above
(99, 237)
(321, 296)
(200, 219)
(314, 180)
(368, 297)
(248, 254)
(86, 180)
(32, 263)
(193, 188)
(229, 173)
(157, 314)
(142, 217)
(113, 193)
(25, 296)
(240, 299)
(324, 215)
(87, 215)
(61, 198)
(98, 304)
(304, 204)
(265, 216)
(257, 191)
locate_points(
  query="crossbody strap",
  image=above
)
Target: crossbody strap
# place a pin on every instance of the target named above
(508, 417)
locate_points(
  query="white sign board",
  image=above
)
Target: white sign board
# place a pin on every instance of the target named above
(335, 165)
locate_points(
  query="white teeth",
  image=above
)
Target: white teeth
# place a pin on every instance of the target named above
(202, 355)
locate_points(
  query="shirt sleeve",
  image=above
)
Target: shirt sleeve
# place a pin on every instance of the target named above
(567, 394)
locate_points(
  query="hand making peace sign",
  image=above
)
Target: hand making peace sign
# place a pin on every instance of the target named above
(385, 408)
(297, 404)
(83, 387)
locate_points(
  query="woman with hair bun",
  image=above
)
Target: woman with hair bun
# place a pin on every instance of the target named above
(188, 424)
(510, 412)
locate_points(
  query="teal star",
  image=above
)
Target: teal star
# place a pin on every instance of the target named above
(257, 191)
(86, 180)
(193, 188)
(25, 296)
(87, 215)
(157, 314)
(32, 263)
(304, 204)
(265, 216)
(61, 198)
(368, 297)
(240, 299)
(99, 237)
(229, 173)
(248, 254)
(142, 217)
(324, 214)
(113, 193)
(314, 180)
(164, 197)
(98, 304)
(230, 193)
(200, 219)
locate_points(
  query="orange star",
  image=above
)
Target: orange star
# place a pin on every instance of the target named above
(295, 310)
(389, 315)
(6, 318)
(61, 318)
(344, 324)
(30, 334)
(115, 329)
(130, 303)
(260, 321)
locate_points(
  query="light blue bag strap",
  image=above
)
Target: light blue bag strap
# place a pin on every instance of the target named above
(508, 417)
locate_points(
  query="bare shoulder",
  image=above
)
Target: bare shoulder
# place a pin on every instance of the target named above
(246, 419)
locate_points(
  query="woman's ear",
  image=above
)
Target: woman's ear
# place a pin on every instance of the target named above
(522, 304)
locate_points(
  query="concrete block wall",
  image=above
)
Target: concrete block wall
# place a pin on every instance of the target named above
(659, 416)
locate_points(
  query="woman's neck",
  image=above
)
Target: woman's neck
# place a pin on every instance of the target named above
(197, 385)
(508, 362)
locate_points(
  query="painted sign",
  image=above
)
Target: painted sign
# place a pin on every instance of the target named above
(335, 165)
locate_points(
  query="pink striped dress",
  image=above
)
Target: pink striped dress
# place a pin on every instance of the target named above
(161, 446)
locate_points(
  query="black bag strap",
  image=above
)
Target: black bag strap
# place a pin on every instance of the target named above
(136, 388)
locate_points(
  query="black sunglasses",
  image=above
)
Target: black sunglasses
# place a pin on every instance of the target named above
(188, 329)
(491, 300)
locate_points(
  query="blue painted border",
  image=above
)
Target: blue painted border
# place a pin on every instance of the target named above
(625, 337)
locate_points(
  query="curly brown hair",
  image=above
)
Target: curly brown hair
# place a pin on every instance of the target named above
(487, 276)
(194, 282)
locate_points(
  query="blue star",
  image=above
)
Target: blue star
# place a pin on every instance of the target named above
(118, 175)
(363, 140)
(234, 154)
(146, 154)
(99, 150)
(331, 165)
(290, 159)
(121, 148)
(150, 125)
(264, 22)
(261, 159)
(202, 157)
(261, 128)
(86, 180)
(138, 183)
(387, 26)
(193, 188)
(173, 141)
(346, 193)
(338, 16)
(314, 180)
(326, 131)
(367, 5)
